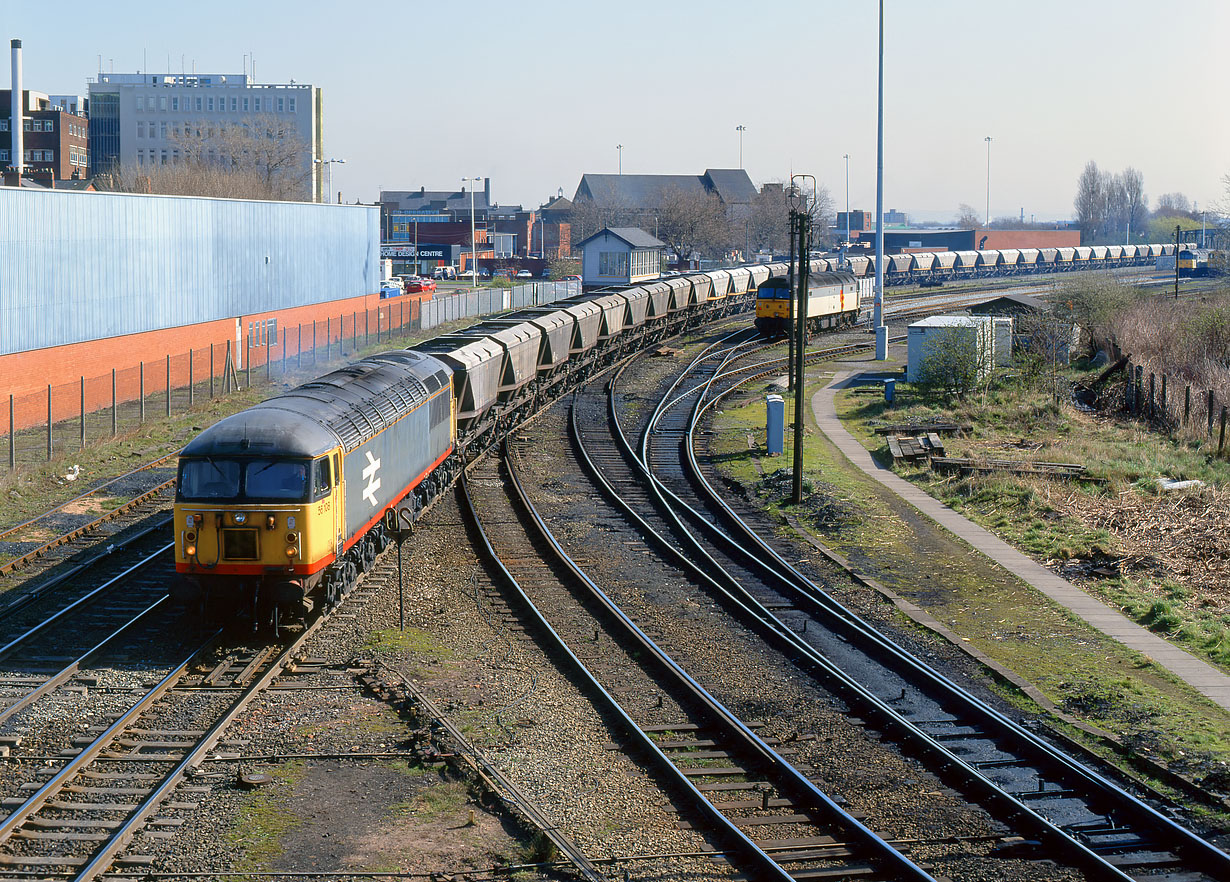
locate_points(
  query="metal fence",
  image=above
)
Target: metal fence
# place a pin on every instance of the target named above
(485, 301)
(68, 417)
(1157, 400)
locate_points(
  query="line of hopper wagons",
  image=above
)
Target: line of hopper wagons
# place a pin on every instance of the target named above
(936, 266)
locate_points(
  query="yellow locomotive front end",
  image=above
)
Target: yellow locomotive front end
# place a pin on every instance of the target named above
(773, 307)
(254, 532)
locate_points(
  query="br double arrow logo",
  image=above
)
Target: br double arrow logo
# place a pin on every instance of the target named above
(369, 475)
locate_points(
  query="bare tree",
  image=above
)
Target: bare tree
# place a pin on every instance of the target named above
(1137, 203)
(1045, 346)
(689, 221)
(1173, 205)
(1222, 206)
(823, 214)
(1090, 201)
(588, 216)
(768, 221)
(967, 217)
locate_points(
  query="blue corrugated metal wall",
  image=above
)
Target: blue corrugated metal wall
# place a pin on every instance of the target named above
(84, 266)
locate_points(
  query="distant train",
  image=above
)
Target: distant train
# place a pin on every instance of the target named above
(832, 302)
(1201, 262)
(285, 504)
(929, 268)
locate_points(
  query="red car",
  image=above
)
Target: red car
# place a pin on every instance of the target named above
(417, 286)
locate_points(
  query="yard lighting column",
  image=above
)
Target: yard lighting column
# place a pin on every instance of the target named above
(881, 332)
(801, 216)
(619, 148)
(740, 130)
(473, 241)
(1177, 230)
(846, 157)
(988, 140)
(327, 176)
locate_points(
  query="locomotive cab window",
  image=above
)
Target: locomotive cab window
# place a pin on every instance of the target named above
(208, 479)
(321, 483)
(275, 479)
(773, 292)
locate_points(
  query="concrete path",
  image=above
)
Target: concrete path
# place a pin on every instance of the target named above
(1205, 678)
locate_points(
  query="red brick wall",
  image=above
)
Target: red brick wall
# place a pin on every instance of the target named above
(997, 240)
(26, 375)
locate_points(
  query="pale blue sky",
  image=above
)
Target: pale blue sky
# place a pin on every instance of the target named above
(537, 92)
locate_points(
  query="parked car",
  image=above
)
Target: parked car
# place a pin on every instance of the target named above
(572, 278)
(466, 274)
(525, 274)
(546, 274)
(420, 285)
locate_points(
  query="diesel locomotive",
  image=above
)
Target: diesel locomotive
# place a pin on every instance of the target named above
(832, 302)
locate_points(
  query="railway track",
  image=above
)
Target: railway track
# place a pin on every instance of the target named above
(63, 530)
(777, 823)
(86, 797)
(1038, 790)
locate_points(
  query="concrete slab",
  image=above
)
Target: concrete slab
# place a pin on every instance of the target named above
(1208, 680)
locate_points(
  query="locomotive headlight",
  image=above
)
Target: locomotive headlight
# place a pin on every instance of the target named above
(292, 538)
(189, 551)
(291, 551)
(190, 536)
(271, 522)
(241, 518)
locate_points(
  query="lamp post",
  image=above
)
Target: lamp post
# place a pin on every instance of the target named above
(846, 157)
(619, 148)
(1177, 229)
(328, 176)
(988, 140)
(740, 130)
(800, 224)
(473, 241)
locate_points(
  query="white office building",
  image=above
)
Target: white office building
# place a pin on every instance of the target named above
(139, 120)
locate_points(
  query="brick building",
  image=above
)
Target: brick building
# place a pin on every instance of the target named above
(55, 140)
(914, 240)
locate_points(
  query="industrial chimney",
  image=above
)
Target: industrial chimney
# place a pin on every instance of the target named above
(17, 107)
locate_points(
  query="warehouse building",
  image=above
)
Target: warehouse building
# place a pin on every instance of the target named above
(173, 273)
